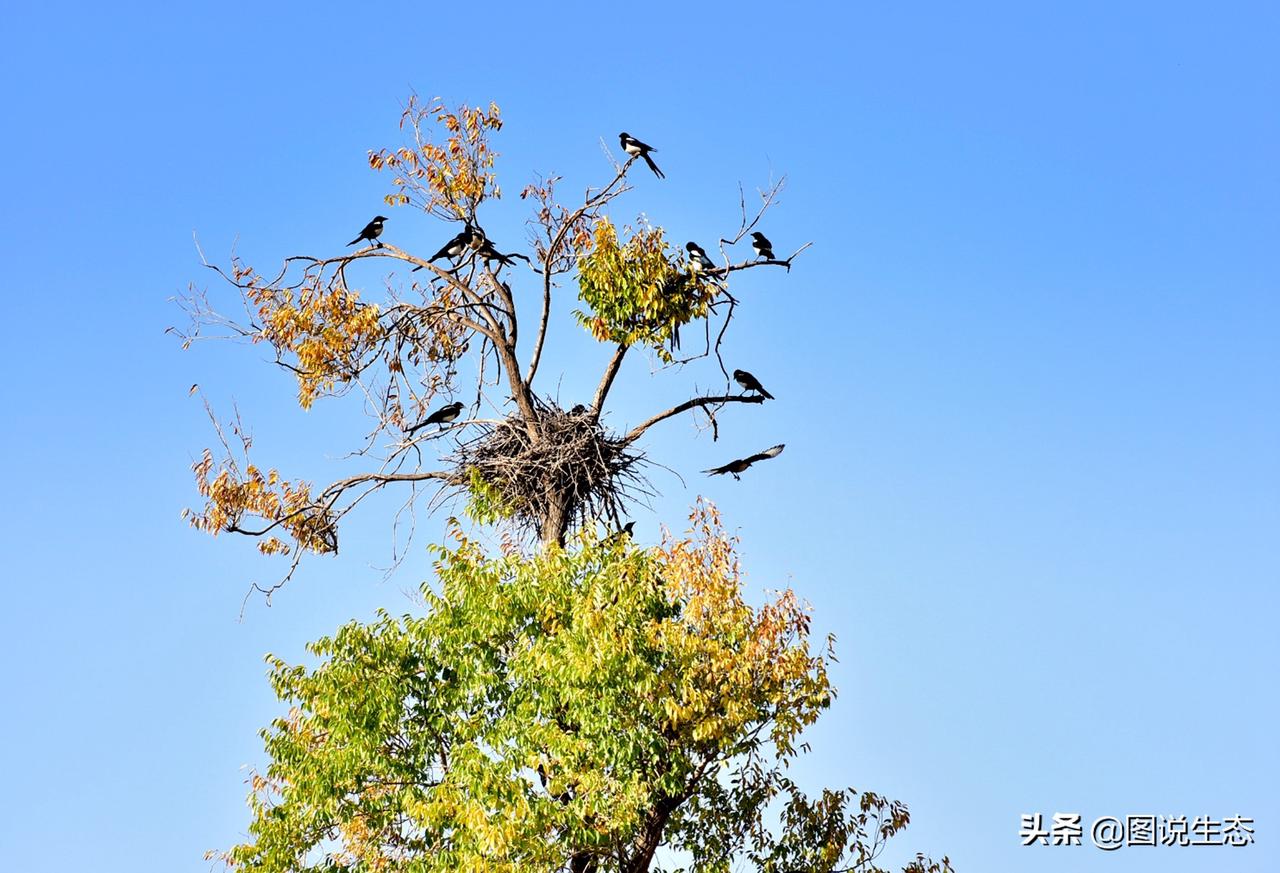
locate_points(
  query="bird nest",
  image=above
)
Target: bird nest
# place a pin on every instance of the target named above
(569, 468)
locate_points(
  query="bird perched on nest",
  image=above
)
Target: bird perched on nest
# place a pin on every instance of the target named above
(371, 231)
(443, 415)
(634, 147)
(733, 468)
(762, 246)
(750, 383)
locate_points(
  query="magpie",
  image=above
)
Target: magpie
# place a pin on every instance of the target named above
(454, 248)
(634, 147)
(627, 530)
(750, 383)
(443, 415)
(578, 409)
(733, 468)
(698, 259)
(371, 231)
(489, 253)
(764, 248)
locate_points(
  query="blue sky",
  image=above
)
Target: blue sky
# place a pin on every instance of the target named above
(1027, 377)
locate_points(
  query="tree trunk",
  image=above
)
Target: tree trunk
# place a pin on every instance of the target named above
(556, 523)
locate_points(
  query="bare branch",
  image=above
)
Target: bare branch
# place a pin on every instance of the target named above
(695, 403)
(606, 381)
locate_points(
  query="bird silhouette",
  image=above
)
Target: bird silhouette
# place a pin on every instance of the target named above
(445, 414)
(456, 247)
(750, 383)
(698, 259)
(764, 248)
(634, 147)
(371, 231)
(490, 254)
(733, 468)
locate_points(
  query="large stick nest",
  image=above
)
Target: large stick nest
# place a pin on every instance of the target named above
(572, 468)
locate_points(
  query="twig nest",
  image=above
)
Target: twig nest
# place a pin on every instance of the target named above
(565, 467)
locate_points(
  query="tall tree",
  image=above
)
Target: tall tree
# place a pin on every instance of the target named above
(584, 705)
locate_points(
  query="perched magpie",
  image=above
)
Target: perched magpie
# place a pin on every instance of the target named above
(698, 259)
(371, 231)
(733, 468)
(490, 254)
(633, 147)
(764, 248)
(454, 248)
(578, 409)
(443, 415)
(750, 383)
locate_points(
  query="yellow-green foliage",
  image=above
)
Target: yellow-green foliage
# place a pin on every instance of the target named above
(638, 292)
(588, 703)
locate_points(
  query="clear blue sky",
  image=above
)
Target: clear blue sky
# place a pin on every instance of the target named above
(1028, 378)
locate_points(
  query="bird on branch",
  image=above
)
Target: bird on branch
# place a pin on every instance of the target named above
(627, 530)
(764, 248)
(441, 416)
(490, 254)
(634, 147)
(371, 231)
(698, 260)
(733, 468)
(750, 383)
(456, 247)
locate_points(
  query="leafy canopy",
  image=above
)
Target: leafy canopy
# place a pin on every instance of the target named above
(576, 709)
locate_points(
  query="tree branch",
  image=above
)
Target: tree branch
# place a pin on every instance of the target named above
(695, 403)
(606, 381)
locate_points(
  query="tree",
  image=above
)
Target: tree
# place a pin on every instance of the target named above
(575, 706)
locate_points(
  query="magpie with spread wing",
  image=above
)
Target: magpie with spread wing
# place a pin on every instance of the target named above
(371, 231)
(733, 468)
(750, 383)
(634, 147)
(445, 414)
(764, 248)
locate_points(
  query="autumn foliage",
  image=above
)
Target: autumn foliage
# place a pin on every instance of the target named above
(573, 701)
(590, 708)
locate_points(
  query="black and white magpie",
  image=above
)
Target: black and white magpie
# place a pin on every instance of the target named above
(764, 248)
(490, 254)
(733, 468)
(750, 383)
(371, 231)
(634, 147)
(445, 414)
(456, 247)
(698, 259)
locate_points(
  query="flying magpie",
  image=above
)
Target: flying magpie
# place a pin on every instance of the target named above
(634, 147)
(764, 248)
(443, 415)
(750, 383)
(371, 231)
(698, 259)
(733, 468)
